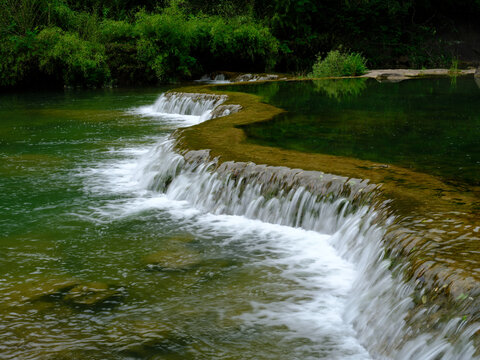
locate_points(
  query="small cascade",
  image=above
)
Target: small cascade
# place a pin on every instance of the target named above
(194, 107)
(381, 306)
(187, 103)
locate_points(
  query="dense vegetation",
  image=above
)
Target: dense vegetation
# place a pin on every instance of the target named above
(94, 43)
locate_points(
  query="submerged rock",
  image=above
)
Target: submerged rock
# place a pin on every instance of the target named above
(144, 339)
(91, 294)
(477, 73)
(40, 290)
(42, 293)
(173, 259)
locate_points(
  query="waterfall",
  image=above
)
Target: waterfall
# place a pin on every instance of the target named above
(380, 307)
(193, 107)
(187, 104)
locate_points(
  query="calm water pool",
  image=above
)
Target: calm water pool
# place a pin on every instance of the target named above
(430, 125)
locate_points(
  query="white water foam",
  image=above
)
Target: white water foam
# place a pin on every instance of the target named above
(188, 109)
(344, 289)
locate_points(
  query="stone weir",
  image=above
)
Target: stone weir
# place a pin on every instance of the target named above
(431, 228)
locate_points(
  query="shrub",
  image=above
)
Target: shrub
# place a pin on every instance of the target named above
(80, 62)
(338, 63)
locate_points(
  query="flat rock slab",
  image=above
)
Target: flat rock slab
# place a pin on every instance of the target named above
(396, 75)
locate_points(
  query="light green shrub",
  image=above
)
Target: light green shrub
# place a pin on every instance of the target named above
(338, 63)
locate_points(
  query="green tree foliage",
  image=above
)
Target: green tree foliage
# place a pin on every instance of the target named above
(74, 60)
(95, 42)
(76, 47)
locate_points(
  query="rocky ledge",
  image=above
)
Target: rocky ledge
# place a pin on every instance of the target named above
(395, 75)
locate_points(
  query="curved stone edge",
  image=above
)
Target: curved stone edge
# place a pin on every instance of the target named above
(416, 195)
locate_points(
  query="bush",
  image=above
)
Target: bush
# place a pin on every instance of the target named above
(338, 63)
(79, 62)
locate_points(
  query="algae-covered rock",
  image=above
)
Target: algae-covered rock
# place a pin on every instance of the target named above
(147, 339)
(91, 294)
(179, 258)
(40, 289)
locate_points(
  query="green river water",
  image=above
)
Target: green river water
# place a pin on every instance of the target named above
(430, 125)
(112, 248)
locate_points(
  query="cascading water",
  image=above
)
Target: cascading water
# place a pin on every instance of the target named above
(376, 303)
(193, 107)
(116, 245)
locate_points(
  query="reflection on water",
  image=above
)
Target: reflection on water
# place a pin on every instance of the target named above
(339, 89)
(427, 125)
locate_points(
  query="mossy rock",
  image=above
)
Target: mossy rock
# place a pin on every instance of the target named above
(41, 289)
(147, 339)
(91, 294)
(173, 259)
